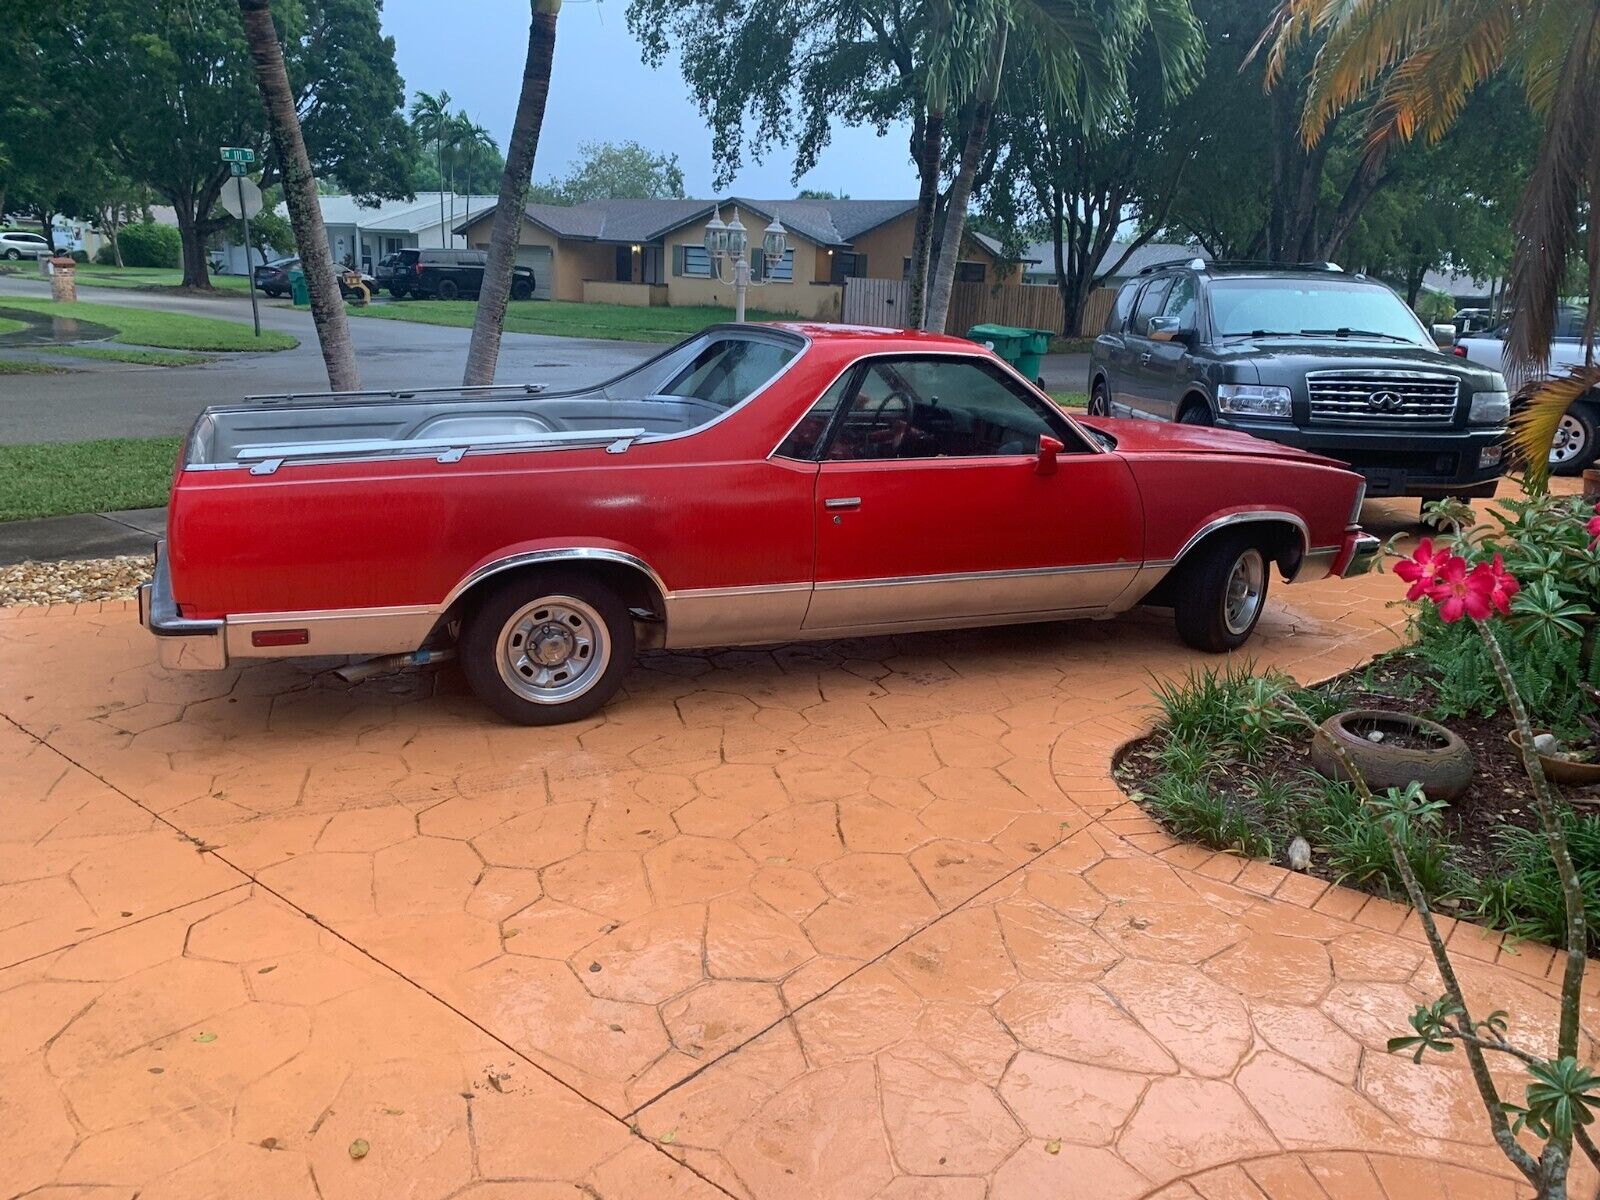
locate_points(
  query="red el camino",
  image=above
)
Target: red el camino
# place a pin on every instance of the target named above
(752, 484)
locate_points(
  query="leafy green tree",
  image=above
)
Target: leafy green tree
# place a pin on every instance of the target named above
(161, 85)
(615, 171)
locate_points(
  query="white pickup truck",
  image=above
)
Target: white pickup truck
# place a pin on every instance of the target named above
(1577, 441)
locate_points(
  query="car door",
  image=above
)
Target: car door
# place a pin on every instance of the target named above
(931, 506)
(1166, 364)
(1137, 393)
(1111, 347)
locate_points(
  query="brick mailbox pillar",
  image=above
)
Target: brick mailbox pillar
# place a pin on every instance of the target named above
(63, 278)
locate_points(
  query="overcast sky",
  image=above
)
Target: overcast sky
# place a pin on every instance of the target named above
(602, 91)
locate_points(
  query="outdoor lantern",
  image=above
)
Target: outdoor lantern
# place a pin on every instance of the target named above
(716, 236)
(775, 241)
(738, 242)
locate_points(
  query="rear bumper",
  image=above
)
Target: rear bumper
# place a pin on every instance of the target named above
(1358, 555)
(182, 643)
(1397, 462)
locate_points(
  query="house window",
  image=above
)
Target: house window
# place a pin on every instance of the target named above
(693, 261)
(778, 272)
(971, 272)
(848, 265)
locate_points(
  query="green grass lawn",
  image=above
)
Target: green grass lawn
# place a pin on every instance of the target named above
(75, 477)
(17, 366)
(7, 325)
(168, 331)
(1071, 399)
(610, 322)
(144, 358)
(94, 275)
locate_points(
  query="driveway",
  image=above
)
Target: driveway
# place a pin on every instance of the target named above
(99, 400)
(867, 919)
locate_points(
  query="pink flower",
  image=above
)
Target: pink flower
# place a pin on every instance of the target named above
(1502, 584)
(1594, 527)
(1421, 570)
(1460, 593)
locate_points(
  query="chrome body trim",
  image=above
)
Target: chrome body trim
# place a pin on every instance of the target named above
(1365, 556)
(735, 616)
(338, 631)
(428, 447)
(182, 643)
(1253, 516)
(1316, 563)
(564, 554)
(933, 601)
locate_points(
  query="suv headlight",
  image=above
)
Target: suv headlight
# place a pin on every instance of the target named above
(1490, 408)
(1254, 400)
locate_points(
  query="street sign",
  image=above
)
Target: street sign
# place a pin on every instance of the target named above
(243, 199)
(238, 169)
(239, 154)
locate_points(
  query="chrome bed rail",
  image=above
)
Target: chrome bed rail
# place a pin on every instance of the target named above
(269, 457)
(476, 390)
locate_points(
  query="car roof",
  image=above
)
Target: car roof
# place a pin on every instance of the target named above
(872, 335)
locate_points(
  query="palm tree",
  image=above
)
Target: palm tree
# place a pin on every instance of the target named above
(484, 352)
(473, 138)
(430, 117)
(1420, 60)
(300, 194)
(1077, 64)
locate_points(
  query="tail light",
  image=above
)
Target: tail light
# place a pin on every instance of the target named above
(418, 267)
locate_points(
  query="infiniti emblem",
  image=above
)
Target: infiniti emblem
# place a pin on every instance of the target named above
(1384, 401)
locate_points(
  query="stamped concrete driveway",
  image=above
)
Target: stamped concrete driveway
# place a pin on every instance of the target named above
(858, 920)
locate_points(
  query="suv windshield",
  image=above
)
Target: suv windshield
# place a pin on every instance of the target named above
(1327, 307)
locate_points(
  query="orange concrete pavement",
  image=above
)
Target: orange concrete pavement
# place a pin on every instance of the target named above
(858, 920)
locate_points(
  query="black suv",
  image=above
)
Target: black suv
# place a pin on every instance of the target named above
(449, 274)
(1307, 356)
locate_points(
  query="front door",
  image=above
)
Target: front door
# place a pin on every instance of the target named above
(1135, 390)
(931, 509)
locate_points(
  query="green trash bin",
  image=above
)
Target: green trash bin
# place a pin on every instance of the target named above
(1035, 345)
(1007, 341)
(298, 288)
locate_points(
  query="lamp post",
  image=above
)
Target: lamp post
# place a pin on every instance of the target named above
(728, 248)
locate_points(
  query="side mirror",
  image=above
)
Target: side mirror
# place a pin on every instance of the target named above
(1444, 336)
(1049, 449)
(1168, 329)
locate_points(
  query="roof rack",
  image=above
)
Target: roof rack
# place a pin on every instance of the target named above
(1241, 264)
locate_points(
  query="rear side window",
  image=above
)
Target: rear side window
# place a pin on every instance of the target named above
(1117, 319)
(1150, 302)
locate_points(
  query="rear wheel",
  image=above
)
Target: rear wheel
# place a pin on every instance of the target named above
(521, 289)
(448, 289)
(398, 292)
(1577, 441)
(1099, 400)
(1220, 595)
(547, 648)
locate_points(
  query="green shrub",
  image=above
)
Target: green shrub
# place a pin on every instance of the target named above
(1227, 709)
(151, 245)
(80, 256)
(1350, 834)
(1196, 810)
(105, 256)
(1525, 897)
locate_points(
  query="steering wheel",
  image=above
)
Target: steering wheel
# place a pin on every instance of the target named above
(885, 435)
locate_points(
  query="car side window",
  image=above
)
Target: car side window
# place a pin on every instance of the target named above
(1117, 319)
(1150, 302)
(805, 437)
(1182, 301)
(943, 408)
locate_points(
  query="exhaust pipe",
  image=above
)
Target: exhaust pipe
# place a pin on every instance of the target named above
(356, 672)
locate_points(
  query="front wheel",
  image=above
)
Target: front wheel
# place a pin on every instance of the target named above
(13, 254)
(1577, 441)
(1196, 413)
(1220, 594)
(521, 289)
(399, 293)
(547, 648)
(1099, 400)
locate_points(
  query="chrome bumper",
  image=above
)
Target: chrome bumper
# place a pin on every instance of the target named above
(182, 643)
(1363, 556)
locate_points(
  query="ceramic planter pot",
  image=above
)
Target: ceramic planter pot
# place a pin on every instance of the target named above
(1563, 770)
(1412, 749)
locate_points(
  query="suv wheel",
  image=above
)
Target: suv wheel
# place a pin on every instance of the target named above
(398, 292)
(521, 289)
(1220, 594)
(1099, 400)
(1577, 441)
(448, 289)
(547, 648)
(1196, 412)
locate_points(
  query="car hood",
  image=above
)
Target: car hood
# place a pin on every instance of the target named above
(1166, 437)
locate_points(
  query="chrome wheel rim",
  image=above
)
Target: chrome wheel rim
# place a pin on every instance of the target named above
(553, 650)
(1570, 440)
(1247, 583)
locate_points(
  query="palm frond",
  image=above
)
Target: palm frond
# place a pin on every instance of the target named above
(1542, 405)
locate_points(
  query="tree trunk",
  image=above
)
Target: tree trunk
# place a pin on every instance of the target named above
(484, 353)
(300, 194)
(196, 272)
(929, 152)
(1069, 308)
(955, 216)
(48, 229)
(113, 229)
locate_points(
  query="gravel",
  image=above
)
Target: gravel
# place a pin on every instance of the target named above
(72, 582)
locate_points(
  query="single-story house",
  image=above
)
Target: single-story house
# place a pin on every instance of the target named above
(1468, 291)
(652, 252)
(1039, 260)
(365, 233)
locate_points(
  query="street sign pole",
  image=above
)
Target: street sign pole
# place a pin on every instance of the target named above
(249, 269)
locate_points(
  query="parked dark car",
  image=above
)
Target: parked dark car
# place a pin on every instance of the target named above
(1308, 357)
(449, 275)
(388, 266)
(273, 277)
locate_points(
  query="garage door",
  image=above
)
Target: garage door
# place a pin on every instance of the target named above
(541, 259)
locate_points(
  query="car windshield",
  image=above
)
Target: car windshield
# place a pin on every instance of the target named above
(1312, 305)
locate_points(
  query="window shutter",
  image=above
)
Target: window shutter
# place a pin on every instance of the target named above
(677, 259)
(758, 264)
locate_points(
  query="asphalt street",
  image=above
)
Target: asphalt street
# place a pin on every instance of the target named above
(100, 400)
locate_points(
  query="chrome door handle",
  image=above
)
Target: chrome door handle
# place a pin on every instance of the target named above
(1144, 359)
(842, 502)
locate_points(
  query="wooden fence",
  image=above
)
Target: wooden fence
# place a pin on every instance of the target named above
(1030, 305)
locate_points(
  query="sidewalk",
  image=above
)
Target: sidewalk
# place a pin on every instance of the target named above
(83, 535)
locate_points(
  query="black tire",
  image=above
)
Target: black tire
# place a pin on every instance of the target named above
(521, 289)
(448, 289)
(1203, 607)
(1196, 412)
(272, 293)
(1577, 443)
(399, 293)
(489, 641)
(1099, 400)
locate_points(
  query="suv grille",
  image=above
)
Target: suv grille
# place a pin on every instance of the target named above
(1385, 398)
